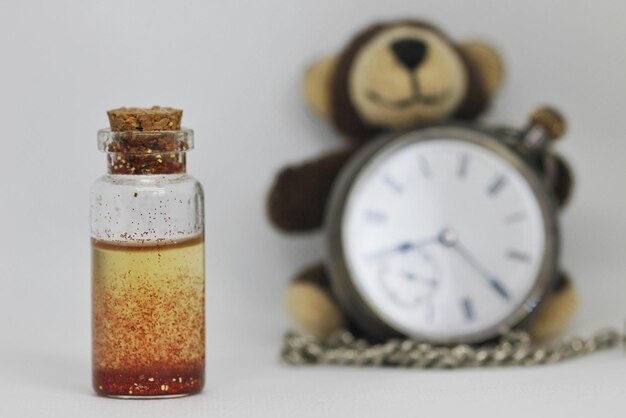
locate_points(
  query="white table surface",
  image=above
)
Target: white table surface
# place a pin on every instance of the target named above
(235, 68)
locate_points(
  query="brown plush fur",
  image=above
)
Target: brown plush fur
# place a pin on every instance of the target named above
(298, 198)
(342, 110)
(477, 97)
(300, 192)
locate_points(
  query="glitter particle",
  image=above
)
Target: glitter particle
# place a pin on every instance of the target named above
(163, 368)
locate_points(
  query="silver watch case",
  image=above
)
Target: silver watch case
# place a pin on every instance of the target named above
(368, 318)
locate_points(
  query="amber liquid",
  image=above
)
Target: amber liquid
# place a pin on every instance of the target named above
(148, 318)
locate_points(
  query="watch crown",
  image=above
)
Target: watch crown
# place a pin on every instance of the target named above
(550, 120)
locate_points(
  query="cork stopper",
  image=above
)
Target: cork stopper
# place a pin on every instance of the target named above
(550, 120)
(155, 118)
(145, 140)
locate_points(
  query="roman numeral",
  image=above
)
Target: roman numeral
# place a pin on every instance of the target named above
(496, 186)
(375, 216)
(463, 164)
(468, 308)
(499, 288)
(393, 184)
(518, 256)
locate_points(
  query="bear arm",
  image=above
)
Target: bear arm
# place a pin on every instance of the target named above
(297, 200)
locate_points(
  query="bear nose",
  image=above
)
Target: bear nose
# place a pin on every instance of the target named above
(410, 52)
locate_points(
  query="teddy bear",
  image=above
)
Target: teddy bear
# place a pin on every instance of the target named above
(390, 76)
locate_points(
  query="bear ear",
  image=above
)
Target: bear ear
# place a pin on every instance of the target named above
(487, 64)
(317, 85)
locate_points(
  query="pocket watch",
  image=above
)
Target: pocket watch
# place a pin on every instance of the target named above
(446, 233)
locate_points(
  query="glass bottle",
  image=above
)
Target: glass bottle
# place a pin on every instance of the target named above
(147, 225)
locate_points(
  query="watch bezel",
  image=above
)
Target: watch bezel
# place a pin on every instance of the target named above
(368, 318)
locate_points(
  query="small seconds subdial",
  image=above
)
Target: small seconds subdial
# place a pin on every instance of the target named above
(408, 276)
(466, 234)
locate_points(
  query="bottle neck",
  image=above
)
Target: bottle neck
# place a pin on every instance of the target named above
(146, 163)
(146, 152)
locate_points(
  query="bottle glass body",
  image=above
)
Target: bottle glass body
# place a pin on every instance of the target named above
(147, 279)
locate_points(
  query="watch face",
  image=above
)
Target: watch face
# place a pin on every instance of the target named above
(445, 239)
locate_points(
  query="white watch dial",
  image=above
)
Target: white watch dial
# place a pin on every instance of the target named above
(443, 238)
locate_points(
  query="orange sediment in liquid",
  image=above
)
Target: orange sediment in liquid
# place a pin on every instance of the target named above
(148, 318)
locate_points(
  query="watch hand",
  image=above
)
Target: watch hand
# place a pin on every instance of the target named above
(491, 279)
(404, 247)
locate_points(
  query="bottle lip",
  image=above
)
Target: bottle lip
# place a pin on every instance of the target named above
(145, 142)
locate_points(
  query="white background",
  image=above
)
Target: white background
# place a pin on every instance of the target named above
(235, 68)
